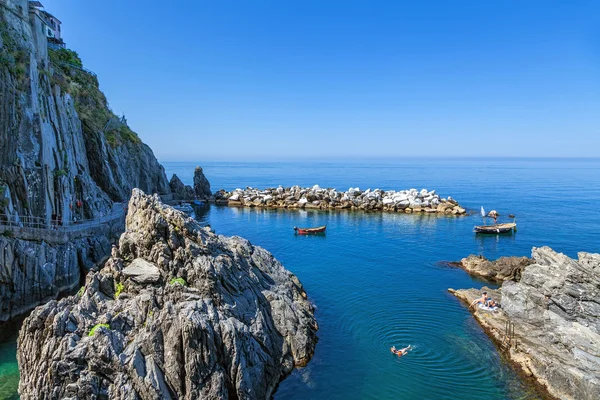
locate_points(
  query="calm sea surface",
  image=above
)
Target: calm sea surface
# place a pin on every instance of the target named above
(376, 279)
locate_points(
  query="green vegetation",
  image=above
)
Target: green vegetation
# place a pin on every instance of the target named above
(3, 200)
(65, 56)
(120, 288)
(150, 314)
(97, 326)
(90, 103)
(13, 57)
(60, 172)
(178, 281)
(81, 291)
(8, 234)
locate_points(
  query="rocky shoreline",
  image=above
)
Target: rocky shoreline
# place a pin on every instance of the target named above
(502, 269)
(296, 197)
(555, 310)
(176, 312)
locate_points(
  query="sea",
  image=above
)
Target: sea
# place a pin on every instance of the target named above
(381, 279)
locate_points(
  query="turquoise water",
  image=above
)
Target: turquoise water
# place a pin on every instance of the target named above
(9, 371)
(376, 279)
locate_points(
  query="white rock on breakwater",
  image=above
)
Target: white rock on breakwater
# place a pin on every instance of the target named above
(407, 201)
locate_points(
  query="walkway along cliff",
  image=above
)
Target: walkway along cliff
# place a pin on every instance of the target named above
(176, 312)
(62, 161)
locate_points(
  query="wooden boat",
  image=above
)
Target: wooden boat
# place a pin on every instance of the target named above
(496, 228)
(308, 231)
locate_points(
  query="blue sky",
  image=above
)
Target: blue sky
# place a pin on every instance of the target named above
(230, 80)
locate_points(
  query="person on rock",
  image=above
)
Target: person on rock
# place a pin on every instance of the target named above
(400, 352)
(481, 300)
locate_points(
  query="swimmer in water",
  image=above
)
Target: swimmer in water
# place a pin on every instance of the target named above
(400, 352)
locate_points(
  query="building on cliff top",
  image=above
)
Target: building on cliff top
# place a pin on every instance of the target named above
(51, 25)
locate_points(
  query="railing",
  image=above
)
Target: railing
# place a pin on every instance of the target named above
(56, 46)
(75, 66)
(113, 123)
(7, 222)
(509, 339)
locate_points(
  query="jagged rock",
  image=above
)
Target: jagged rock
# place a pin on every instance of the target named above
(118, 169)
(43, 157)
(201, 184)
(32, 273)
(224, 320)
(57, 162)
(181, 191)
(555, 308)
(504, 268)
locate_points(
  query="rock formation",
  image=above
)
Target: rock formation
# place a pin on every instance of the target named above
(64, 156)
(555, 308)
(181, 191)
(201, 184)
(33, 272)
(407, 201)
(504, 268)
(176, 312)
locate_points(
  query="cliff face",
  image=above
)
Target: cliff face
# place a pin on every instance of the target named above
(60, 141)
(63, 156)
(177, 312)
(129, 165)
(34, 272)
(555, 309)
(43, 158)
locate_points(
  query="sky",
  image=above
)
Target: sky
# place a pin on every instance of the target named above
(256, 79)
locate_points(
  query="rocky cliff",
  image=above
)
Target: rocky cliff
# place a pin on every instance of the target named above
(555, 309)
(33, 272)
(177, 312)
(64, 156)
(61, 143)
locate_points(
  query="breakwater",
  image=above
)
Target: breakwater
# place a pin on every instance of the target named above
(296, 197)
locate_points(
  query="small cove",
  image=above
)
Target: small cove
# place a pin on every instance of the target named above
(376, 279)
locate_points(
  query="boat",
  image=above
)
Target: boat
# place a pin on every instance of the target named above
(496, 228)
(308, 231)
(184, 207)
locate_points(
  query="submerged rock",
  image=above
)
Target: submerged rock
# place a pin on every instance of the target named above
(223, 320)
(555, 309)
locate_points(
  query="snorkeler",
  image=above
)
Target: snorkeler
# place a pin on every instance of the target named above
(400, 352)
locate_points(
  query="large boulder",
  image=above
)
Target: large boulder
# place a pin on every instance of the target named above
(223, 319)
(201, 184)
(504, 268)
